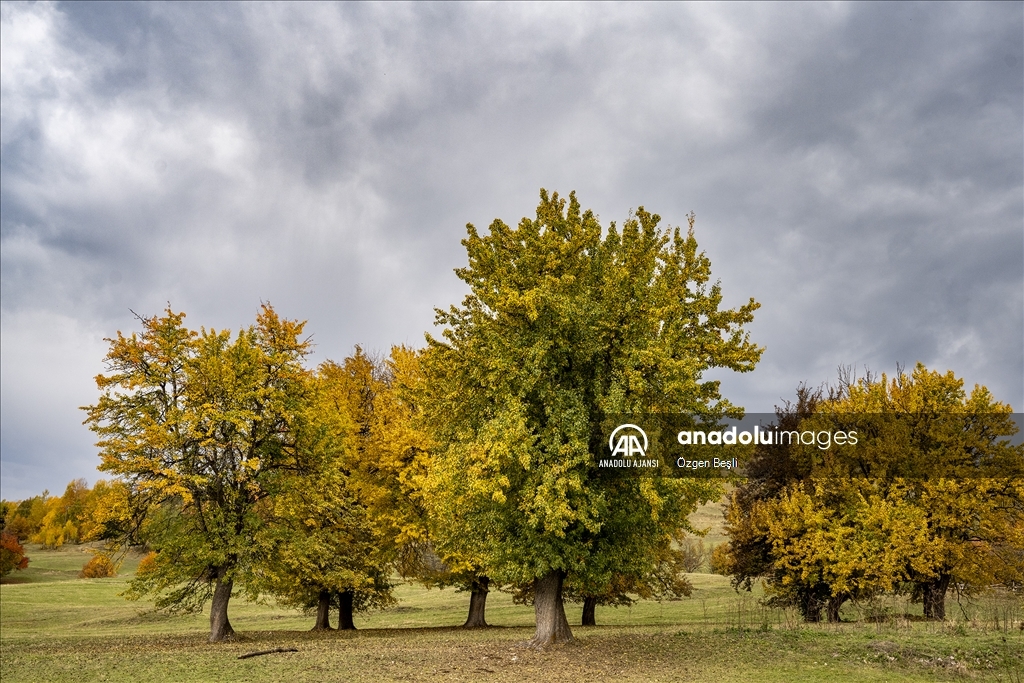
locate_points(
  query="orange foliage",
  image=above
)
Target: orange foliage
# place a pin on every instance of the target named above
(146, 565)
(99, 567)
(12, 554)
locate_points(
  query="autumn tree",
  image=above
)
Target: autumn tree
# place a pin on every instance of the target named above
(200, 427)
(326, 546)
(566, 326)
(392, 450)
(12, 553)
(454, 557)
(929, 496)
(389, 467)
(65, 517)
(25, 517)
(935, 453)
(81, 514)
(62, 512)
(692, 553)
(323, 551)
(393, 473)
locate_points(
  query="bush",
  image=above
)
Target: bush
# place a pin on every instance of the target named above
(721, 560)
(99, 567)
(147, 564)
(12, 554)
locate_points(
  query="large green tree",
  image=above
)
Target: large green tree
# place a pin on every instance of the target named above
(201, 427)
(565, 326)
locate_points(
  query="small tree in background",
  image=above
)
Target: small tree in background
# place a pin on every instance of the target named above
(82, 514)
(692, 554)
(12, 554)
(99, 566)
(64, 516)
(25, 518)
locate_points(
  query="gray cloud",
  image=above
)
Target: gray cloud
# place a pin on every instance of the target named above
(857, 168)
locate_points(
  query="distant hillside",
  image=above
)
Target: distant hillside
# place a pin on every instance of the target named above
(709, 517)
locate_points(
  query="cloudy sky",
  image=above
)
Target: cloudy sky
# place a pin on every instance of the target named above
(857, 168)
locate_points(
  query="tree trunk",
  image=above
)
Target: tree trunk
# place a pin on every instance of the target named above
(832, 608)
(934, 594)
(323, 612)
(589, 607)
(549, 610)
(810, 608)
(220, 627)
(345, 608)
(477, 603)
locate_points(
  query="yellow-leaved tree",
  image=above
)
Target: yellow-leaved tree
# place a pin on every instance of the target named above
(83, 514)
(201, 428)
(931, 496)
(336, 536)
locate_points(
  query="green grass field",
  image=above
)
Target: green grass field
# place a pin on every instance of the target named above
(57, 627)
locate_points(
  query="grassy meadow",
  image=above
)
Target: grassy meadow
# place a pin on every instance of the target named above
(55, 626)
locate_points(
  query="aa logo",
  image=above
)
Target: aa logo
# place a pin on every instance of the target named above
(628, 443)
